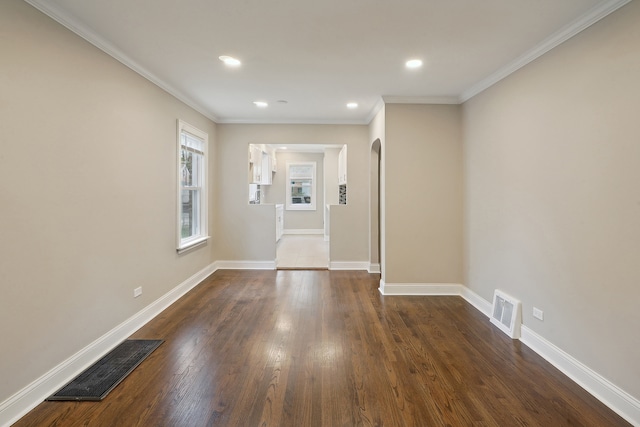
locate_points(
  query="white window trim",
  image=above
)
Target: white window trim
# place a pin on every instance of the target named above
(301, 207)
(192, 242)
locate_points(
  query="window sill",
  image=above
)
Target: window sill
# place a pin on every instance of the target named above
(192, 244)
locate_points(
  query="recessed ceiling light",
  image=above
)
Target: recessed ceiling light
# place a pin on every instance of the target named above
(414, 63)
(261, 104)
(352, 105)
(283, 148)
(229, 61)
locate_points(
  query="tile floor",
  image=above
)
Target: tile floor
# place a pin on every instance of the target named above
(302, 251)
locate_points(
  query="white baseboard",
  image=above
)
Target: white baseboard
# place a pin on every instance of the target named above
(373, 268)
(348, 265)
(245, 265)
(271, 265)
(16, 406)
(481, 304)
(303, 231)
(419, 288)
(602, 389)
(619, 401)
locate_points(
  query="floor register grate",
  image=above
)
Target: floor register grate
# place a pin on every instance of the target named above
(104, 375)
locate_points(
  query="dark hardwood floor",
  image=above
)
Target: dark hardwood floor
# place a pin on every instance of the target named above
(324, 348)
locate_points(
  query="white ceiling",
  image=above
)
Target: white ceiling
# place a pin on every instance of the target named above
(320, 54)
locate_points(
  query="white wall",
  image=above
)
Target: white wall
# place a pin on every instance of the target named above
(88, 194)
(243, 231)
(552, 162)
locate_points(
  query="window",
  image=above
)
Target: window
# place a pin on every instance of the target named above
(192, 185)
(301, 186)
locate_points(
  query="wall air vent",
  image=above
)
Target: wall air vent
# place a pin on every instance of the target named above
(506, 314)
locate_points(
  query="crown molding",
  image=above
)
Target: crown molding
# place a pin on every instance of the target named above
(379, 105)
(291, 122)
(81, 30)
(390, 99)
(591, 17)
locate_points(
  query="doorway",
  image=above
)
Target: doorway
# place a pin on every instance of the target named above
(303, 232)
(375, 257)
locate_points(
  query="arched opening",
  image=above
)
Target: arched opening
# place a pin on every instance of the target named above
(374, 208)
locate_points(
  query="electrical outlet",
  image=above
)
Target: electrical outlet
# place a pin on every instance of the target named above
(137, 292)
(538, 314)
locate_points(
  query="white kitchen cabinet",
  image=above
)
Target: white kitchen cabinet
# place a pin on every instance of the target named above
(266, 178)
(279, 221)
(342, 166)
(260, 165)
(255, 164)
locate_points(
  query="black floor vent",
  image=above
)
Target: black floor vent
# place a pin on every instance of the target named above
(104, 375)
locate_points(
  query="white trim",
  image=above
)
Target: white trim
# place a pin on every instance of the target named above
(481, 304)
(303, 231)
(437, 100)
(585, 21)
(420, 289)
(375, 110)
(381, 287)
(245, 265)
(348, 265)
(184, 245)
(374, 268)
(301, 171)
(588, 19)
(16, 406)
(602, 389)
(193, 244)
(346, 121)
(89, 35)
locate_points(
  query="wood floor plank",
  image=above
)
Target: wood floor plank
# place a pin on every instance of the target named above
(324, 348)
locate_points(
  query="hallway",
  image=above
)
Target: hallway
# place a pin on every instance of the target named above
(302, 252)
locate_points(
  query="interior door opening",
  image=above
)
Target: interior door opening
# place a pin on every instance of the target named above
(375, 258)
(302, 182)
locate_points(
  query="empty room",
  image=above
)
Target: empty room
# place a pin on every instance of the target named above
(461, 178)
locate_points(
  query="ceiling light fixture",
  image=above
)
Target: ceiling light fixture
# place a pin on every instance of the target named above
(261, 104)
(229, 61)
(352, 105)
(414, 63)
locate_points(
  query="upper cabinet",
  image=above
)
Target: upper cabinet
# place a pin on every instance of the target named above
(255, 164)
(260, 165)
(267, 179)
(342, 166)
